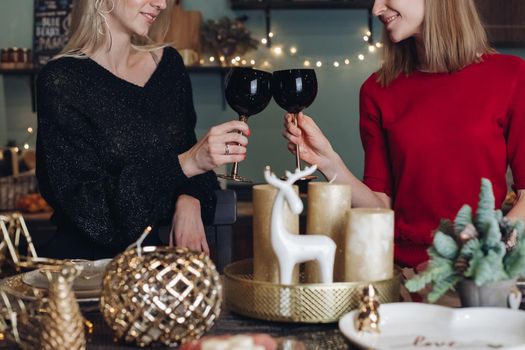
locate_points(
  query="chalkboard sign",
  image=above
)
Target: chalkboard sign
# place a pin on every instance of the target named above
(51, 32)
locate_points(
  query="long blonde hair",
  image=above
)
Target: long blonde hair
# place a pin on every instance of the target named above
(89, 30)
(453, 37)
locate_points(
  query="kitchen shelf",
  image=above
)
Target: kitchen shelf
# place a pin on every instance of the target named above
(32, 73)
(304, 4)
(268, 5)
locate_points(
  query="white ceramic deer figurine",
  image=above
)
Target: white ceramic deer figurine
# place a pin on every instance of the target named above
(292, 249)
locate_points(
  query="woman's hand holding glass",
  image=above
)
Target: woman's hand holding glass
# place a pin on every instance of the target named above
(222, 144)
(314, 146)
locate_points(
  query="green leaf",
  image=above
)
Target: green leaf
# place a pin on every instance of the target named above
(445, 245)
(499, 215)
(463, 218)
(470, 248)
(419, 281)
(492, 234)
(489, 269)
(473, 263)
(439, 268)
(441, 287)
(515, 261)
(485, 212)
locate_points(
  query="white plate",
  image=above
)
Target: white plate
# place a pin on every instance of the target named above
(406, 326)
(89, 280)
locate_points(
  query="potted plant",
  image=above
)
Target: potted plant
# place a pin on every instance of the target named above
(226, 37)
(481, 253)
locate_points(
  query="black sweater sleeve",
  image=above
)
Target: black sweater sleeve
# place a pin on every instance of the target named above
(110, 208)
(201, 186)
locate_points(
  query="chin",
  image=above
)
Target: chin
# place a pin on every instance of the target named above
(397, 38)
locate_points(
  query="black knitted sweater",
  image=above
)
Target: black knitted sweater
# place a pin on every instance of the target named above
(107, 153)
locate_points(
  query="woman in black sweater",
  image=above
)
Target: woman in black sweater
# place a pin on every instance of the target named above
(116, 146)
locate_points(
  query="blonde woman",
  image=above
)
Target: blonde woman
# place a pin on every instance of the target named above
(444, 111)
(116, 144)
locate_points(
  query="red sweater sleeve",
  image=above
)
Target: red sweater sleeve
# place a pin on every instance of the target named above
(515, 130)
(377, 173)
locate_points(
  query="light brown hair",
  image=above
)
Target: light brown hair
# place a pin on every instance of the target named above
(89, 30)
(453, 37)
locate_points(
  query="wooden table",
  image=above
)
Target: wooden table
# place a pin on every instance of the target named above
(293, 336)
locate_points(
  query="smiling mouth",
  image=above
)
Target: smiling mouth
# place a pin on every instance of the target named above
(390, 19)
(151, 18)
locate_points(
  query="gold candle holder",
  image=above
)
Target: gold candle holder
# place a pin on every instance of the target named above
(326, 215)
(265, 263)
(369, 245)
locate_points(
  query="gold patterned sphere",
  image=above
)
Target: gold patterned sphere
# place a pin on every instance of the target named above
(162, 296)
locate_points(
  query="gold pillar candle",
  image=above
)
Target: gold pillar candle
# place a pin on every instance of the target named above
(265, 263)
(369, 245)
(326, 215)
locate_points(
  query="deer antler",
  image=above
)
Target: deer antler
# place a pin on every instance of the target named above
(291, 178)
(271, 178)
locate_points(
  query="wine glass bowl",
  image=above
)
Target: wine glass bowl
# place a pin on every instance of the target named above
(294, 90)
(248, 92)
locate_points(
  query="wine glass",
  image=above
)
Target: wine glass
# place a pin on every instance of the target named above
(294, 90)
(248, 92)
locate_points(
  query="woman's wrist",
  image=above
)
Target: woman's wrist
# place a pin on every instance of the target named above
(187, 164)
(331, 166)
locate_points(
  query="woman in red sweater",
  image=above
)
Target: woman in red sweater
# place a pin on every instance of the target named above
(443, 111)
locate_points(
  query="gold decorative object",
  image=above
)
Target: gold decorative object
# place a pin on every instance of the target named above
(266, 265)
(13, 227)
(62, 326)
(160, 295)
(20, 319)
(306, 303)
(327, 209)
(369, 245)
(37, 318)
(367, 320)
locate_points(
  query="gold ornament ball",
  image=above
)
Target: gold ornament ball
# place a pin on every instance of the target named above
(163, 295)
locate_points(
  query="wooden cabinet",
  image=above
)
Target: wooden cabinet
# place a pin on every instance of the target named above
(504, 20)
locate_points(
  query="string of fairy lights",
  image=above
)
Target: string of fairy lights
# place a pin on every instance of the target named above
(279, 50)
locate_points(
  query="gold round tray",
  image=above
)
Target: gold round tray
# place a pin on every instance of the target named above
(304, 303)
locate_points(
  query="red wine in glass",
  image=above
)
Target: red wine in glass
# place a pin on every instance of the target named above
(294, 90)
(248, 92)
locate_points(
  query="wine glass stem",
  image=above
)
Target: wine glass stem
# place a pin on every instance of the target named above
(235, 167)
(297, 152)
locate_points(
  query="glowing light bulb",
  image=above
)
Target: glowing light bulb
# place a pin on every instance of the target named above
(270, 34)
(366, 38)
(252, 62)
(212, 59)
(264, 41)
(222, 59)
(319, 64)
(293, 50)
(26, 146)
(361, 57)
(30, 130)
(306, 63)
(371, 48)
(278, 51)
(243, 62)
(368, 33)
(237, 58)
(347, 61)
(336, 64)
